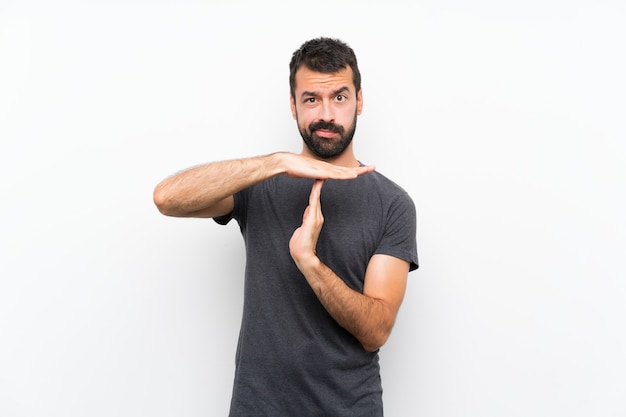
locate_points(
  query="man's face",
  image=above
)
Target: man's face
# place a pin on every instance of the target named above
(326, 108)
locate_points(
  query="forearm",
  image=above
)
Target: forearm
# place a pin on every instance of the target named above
(199, 191)
(368, 319)
(202, 187)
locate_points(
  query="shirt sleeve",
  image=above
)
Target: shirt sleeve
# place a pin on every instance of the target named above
(238, 209)
(400, 237)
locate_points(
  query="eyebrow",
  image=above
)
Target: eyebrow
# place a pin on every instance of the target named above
(313, 94)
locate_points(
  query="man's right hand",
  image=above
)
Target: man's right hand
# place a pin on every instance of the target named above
(300, 166)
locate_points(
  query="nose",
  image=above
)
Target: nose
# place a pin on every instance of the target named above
(326, 112)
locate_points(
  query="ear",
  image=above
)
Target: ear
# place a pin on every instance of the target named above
(292, 103)
(359, 102)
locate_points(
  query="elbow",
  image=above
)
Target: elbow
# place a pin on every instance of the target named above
(375, 342)
(371, 348)
(163, 201)
(380, 330)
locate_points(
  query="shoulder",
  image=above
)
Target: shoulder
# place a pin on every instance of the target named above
(386, 187)
(381, 178)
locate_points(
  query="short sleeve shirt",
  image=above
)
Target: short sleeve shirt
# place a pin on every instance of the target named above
(292, 356)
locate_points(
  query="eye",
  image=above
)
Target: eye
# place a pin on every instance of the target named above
(340, 98)
(309, 100)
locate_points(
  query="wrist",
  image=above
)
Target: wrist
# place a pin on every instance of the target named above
(277, 163)
(309, 265)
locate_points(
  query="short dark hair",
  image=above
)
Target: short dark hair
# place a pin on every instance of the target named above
(324, 55)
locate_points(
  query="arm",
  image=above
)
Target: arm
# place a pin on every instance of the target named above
(207, 190)
(368, 316)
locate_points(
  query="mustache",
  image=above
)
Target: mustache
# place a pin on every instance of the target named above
(330, 126)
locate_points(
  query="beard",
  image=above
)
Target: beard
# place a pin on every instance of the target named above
(325, 148)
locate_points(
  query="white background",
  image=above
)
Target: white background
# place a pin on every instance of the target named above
(503, 120)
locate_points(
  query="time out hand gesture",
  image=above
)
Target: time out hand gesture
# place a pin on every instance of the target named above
(304, 239)
(300, 166)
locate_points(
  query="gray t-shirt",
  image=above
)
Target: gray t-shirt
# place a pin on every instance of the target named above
(293, 359)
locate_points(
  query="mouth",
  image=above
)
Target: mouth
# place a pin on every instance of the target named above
(323, 133)
(325, 130)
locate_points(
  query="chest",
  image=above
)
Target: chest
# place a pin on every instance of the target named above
(354, 219)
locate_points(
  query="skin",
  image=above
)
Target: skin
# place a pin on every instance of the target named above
(341, 107)
(207, 191)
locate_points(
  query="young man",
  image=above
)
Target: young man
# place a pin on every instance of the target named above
(329, 245)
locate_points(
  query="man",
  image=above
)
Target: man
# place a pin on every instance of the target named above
(322, 291)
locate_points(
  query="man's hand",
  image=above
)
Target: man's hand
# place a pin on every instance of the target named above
(300, 166)
(304, 239)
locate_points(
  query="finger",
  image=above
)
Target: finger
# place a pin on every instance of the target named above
(316, 191)
(306, 213)
(365, 169)
(352, 173)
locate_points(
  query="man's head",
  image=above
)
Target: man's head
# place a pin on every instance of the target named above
(325, 95)
(324, 55)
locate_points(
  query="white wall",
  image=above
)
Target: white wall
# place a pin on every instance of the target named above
(505, 123)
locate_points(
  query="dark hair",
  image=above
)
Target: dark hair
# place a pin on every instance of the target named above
(324, 55)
